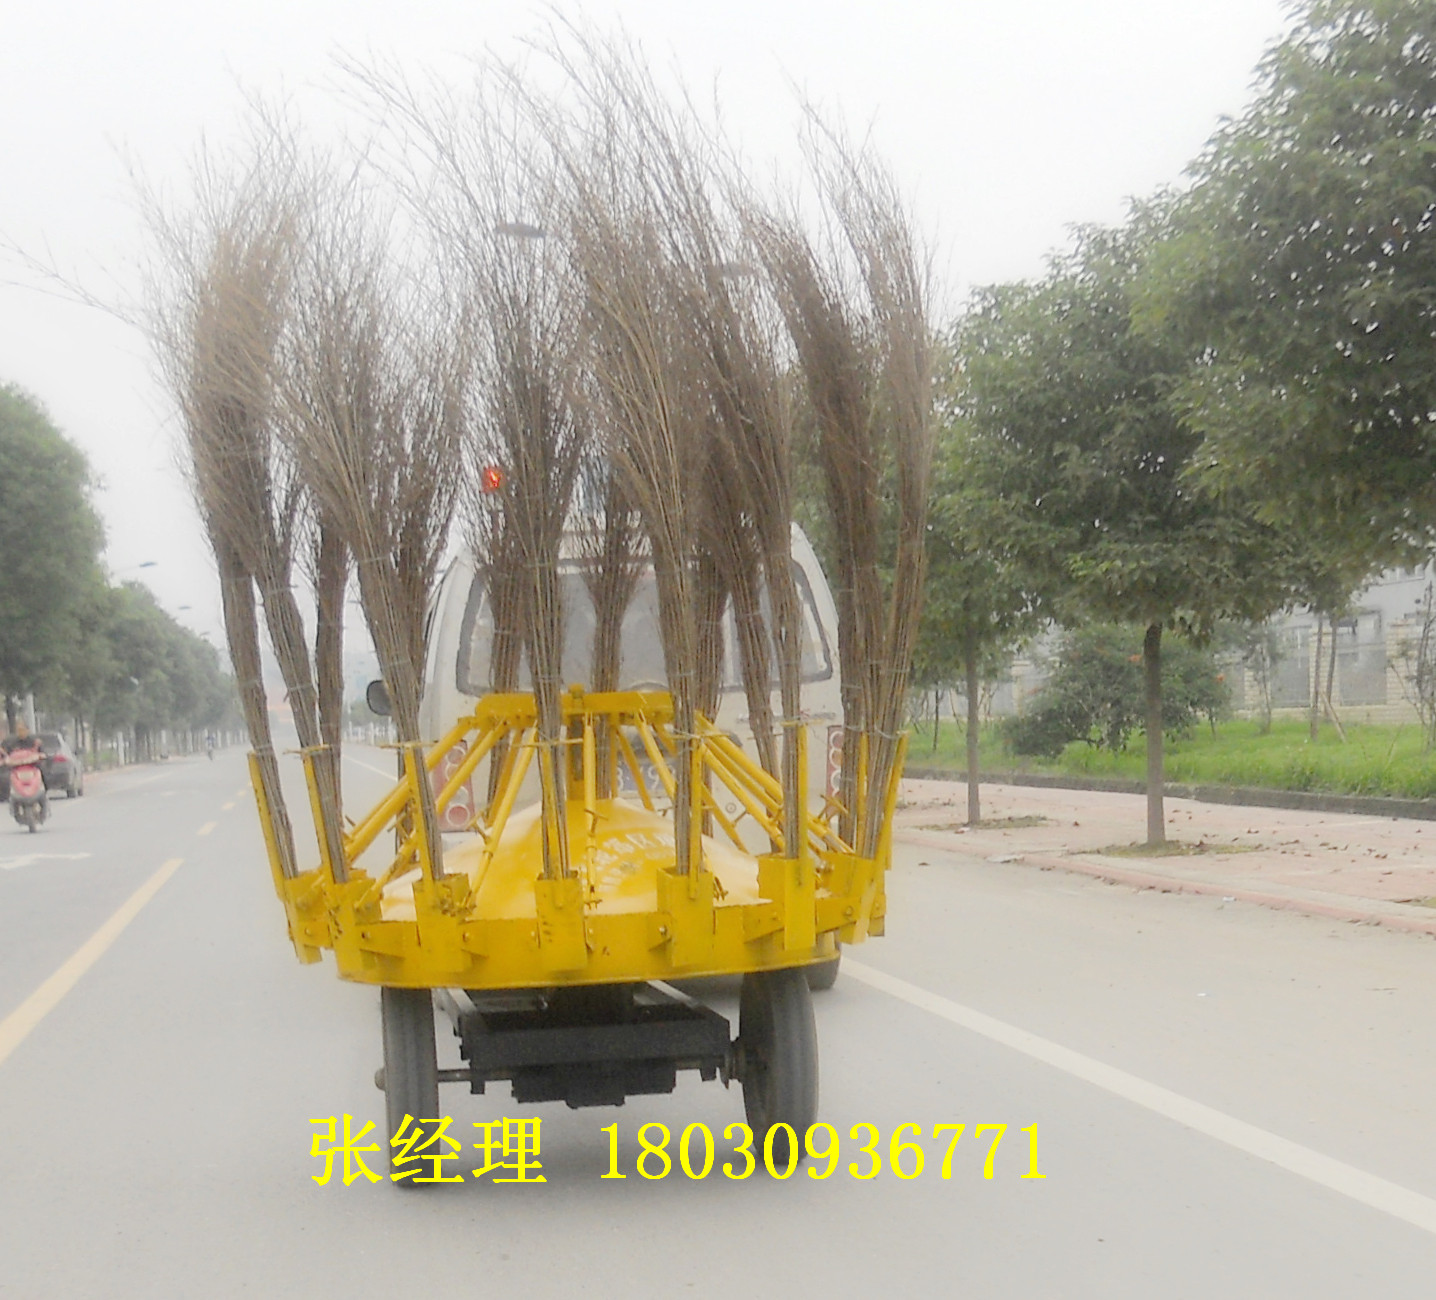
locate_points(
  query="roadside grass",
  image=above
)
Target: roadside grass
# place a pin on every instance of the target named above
(1377, 759)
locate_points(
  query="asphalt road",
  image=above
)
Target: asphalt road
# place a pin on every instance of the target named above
(1229, 1101)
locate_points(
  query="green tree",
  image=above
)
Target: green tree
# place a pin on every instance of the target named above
(1095, 692)
(139, 695)
(78, 680)
(980, 601)
(1301, 272)
(50, 538)
(1075, 406)
(151, 673)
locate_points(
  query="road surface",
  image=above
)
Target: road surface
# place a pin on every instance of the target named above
(1228, 1100)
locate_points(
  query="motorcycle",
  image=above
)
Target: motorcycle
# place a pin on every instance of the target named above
(29, 802)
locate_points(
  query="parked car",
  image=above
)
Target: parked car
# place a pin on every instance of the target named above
(61, 767)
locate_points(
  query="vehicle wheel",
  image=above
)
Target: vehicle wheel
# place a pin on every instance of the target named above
(32, 818)
(779, 1038)
(71, 792)
(824, 974)
(411, 1071)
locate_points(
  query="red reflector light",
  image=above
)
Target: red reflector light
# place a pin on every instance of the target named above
(492, 478)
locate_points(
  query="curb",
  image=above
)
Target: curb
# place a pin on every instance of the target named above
(1248, 796)
(1101, 869)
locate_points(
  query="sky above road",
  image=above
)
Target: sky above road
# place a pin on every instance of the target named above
(1006, 123)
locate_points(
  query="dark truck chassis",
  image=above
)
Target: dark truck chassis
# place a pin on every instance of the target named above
(597, 1045)
(587, 1045)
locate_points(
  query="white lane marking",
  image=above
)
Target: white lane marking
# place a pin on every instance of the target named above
(26, 859)
(225, 807)
(15, 1026)
(359, 762)
(206, 828)
(1378, 1193)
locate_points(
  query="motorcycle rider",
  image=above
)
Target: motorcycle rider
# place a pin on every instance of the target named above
(22, 742)
(24, 750)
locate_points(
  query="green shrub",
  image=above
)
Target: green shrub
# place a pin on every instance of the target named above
(1096, 693)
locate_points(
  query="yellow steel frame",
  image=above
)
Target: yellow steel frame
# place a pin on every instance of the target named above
(819, 892)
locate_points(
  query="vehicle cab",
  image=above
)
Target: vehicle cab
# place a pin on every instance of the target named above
(461, 635)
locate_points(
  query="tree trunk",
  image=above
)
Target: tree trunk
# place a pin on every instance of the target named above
(10, 715)
(974, 707)
(1316, 685)
(1264, 685)
(1152, 671)
(1330, 678)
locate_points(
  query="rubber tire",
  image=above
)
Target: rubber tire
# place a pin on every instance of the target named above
(411, 1064)
(824, 974)
(779, 1037)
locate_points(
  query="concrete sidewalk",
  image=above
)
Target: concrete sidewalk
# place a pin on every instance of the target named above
(1379, 870)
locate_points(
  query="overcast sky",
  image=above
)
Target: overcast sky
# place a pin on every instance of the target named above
(1007, 122)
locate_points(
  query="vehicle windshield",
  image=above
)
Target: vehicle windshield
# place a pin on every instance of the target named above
(641, 652)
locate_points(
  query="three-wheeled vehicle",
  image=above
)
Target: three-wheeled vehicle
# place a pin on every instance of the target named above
(560, 982)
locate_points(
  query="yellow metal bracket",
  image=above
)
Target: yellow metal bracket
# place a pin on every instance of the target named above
(685, 912)
(306, 910)
(561, 942)
(789, 883)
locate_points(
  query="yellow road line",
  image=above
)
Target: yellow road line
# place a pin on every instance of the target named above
(43, 1000)
(206, 828)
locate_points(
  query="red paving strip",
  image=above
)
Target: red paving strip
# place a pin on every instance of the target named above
(1102, 869)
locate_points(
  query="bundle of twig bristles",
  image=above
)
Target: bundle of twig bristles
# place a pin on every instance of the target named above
(593, 340)
(377, 379)
(856, 307)
(222, 281)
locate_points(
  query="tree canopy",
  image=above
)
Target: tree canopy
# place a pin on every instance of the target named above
(1302, 272)
(1094, 459)
(107, 655)
(50, 537)
(131, 667)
